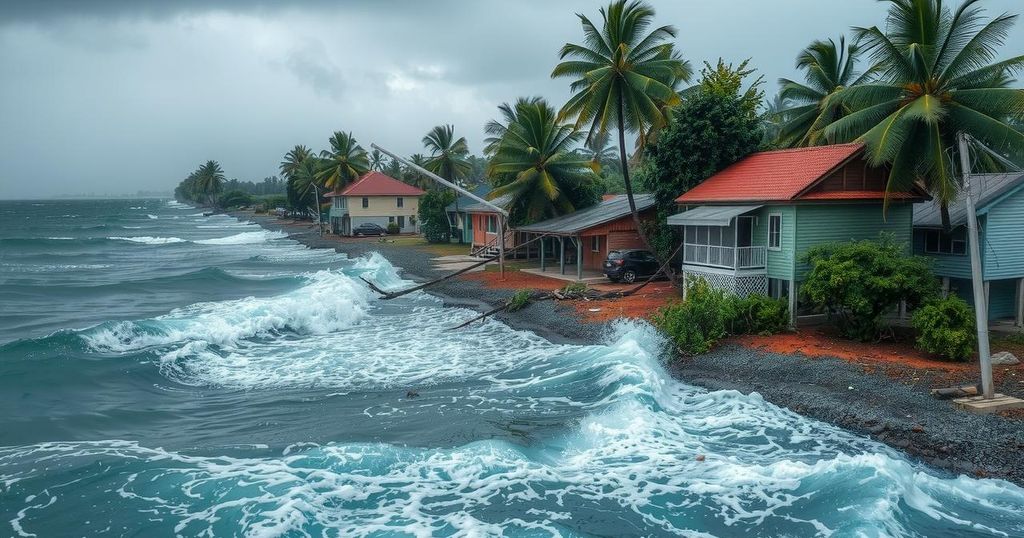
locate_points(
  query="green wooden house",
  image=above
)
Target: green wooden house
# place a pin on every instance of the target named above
(999, 199)
(745, 228)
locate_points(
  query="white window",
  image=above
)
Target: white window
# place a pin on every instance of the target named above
(595, 243)
(775, 232)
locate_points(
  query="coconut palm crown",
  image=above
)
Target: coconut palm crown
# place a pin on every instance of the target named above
(545, 174)
(344, 162)
(937, 76)
(809, 107)
(447, 153)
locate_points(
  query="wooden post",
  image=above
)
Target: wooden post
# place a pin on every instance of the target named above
(792, 303)
(579, 258)
(542, 255)
(1020, 302)
(501, 245)
(561, 254)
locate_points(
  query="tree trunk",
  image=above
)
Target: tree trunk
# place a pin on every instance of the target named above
(623, 161)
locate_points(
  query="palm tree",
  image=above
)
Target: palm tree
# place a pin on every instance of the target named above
(412, 177)
(344, 162)
(210, 181)
(810, 107)
(936, 78)
(600, 150)
(548, 176)
(305, 177)
(377, 160)
(292, 159)
(624, 78)
(447, 154)
(495, 129)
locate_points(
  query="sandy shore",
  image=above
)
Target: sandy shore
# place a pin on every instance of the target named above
(842, 392)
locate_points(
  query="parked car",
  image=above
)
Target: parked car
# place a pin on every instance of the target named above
(628, 265)
(369, 228)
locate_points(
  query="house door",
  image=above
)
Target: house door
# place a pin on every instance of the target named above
(744, 231)
(346, 225)
(401, 222)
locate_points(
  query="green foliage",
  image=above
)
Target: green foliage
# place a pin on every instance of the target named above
(714, 127)
(859, 282)
(203, 186)
(575, 288)
(946, 327)
(344, 163)
(661, 237)
(233, 199)
(535, 162)
(519, 300)
(393, 228)
(448, 155)
(758, 314)
(273, 202)
(433, 218)
(708, 314)
(695, 324)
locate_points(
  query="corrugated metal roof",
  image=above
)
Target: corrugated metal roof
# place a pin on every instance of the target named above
(583, 219)
(986, 188)
(477, 207)
(710, 215)
(464, 201)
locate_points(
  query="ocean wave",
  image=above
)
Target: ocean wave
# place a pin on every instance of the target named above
(153, 217)
(149, 240)
(244, 238)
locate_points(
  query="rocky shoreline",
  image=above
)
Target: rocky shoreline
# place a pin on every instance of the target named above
(901, 415)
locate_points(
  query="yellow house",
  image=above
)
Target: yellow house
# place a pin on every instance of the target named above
(377, 199)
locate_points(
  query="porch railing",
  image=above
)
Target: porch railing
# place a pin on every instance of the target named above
(724, 257)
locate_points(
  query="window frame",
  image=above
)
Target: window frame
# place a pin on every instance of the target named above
(399, 201)
(366, 202)
(595, 243)
(777, 217)
(939, 236)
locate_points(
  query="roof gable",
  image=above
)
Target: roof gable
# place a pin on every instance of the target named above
(377, 184)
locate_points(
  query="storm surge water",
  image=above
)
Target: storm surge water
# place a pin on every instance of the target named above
(199, 376)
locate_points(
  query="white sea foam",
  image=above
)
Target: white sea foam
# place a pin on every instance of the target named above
(150, 240)
(245, 238)
(154, 217)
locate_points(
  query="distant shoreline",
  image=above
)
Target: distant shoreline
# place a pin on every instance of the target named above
(831, 390)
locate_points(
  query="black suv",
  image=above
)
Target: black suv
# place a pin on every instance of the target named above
(627, 265)
(369, 228)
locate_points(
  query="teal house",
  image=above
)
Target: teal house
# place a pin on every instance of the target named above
(459, 219)
(745, 228)
(999, 199)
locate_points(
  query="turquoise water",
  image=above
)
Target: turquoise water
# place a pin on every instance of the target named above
(164, 373)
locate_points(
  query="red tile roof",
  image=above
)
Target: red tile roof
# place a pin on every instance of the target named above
(772, 175)
(377, 184)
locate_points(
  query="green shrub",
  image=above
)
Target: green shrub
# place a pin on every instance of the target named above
(758, 314)
(393, 228)
(433, 217)
(519, 300)
(857, 283)
(946, 327)
(575, 288)
(696, 323)
(233, 199)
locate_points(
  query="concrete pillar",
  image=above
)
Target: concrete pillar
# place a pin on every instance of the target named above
(945, 287)
(1020, 302)
(792, 303)
(542, 254)
(561, 255)
(579, 258)
(988, 295)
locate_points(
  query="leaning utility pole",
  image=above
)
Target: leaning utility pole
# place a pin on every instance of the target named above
(502, 213)
(977, 276)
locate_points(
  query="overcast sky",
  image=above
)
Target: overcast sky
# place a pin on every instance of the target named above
(120, 95)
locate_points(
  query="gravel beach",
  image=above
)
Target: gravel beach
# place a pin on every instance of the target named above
(840, 392)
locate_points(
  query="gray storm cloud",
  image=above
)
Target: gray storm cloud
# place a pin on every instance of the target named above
(118, 96)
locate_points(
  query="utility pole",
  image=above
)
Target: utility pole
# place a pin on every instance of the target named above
(502, 213)
(316, 207)
(977, 276)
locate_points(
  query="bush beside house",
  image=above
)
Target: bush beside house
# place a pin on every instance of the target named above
(946, 327)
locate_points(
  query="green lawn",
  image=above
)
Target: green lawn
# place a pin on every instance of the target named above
(437, 249)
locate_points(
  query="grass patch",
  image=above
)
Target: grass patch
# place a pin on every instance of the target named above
(438, 249)
(509, 266)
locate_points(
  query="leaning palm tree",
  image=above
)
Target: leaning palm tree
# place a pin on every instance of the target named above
(936, 78)
(538, 153)
(448, 155)
(344, 162)
(809, 107)
(411, 176)
(376, 160)
(624, 78)
(292, 159)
